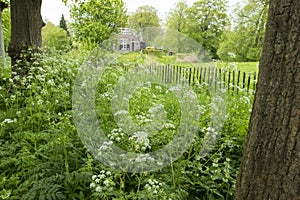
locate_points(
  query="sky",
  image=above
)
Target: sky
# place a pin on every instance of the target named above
(53, 9)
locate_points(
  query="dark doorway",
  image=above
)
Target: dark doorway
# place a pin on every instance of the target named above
(132, 45)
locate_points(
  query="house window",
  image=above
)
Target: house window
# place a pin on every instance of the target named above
(123, 44)
(123, 31)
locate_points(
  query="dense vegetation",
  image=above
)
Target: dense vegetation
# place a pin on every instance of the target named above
(42, 156)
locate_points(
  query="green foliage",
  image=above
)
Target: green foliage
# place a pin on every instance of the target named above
(206, 22)
(143, 17)
(43, 158)
(96, 20)
(63, 25)
(6, 25)
(177, 18)
(191, 177)
(155, 52)
(55, 38)
(247, 67)
(39, 148)
(244, 43)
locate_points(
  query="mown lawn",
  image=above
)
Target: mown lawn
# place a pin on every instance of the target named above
(248, 67)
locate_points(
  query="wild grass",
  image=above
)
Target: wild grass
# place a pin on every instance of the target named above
(42, 156)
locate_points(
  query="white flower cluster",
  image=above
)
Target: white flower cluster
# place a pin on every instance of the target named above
(8, 121)
(153, 186)
(106, 95)
(103, 181)
(144, 158)
(13, 97)
(211, 132)
(158, 87)
(106, 146)
(169, 126)
(142, 119)
(116, 135)
(140, 141)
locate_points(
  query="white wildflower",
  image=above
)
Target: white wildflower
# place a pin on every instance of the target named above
(101, 176)
(98, 189)
(92, 185)
(9, 121)
(97, 180)
(106, 182)
(40, 102)
(44, 92)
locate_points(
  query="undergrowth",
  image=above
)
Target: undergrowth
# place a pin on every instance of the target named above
(42, 156)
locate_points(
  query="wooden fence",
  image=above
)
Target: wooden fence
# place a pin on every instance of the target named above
(231, 80)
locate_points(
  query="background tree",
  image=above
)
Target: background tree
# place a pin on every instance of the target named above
(3, 5)
(177, 18)
(63, 24)
(6, 27)
(207, 20)
(245, 40)
(271, 156)
(55, 37)
(230, 49)
(143, 17)
(96, 20)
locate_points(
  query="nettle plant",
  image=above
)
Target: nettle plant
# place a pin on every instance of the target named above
(42, 156)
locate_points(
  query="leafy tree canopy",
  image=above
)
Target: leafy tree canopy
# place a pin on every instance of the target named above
(177, 18)
(206, 22)
(96, 20)
(143, 17)
(244, 42)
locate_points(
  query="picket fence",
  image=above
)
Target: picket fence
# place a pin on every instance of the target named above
(231, 80)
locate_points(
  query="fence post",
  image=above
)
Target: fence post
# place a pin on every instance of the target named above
(204, 74)
(244, 79)
(220, 78)
(238, 81)
(233, 80)
(190, 76)
(228, 81)
(254, 82)
(200, 78)
(249, 80)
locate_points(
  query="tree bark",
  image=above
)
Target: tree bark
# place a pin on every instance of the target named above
(27, 23)
(270, 167)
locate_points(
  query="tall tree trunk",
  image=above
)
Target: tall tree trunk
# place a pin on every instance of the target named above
(27, 23)
(270, 166)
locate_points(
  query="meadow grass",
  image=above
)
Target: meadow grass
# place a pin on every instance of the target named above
(130, 57)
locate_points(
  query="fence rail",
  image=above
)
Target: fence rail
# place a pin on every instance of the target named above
(231, 80)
